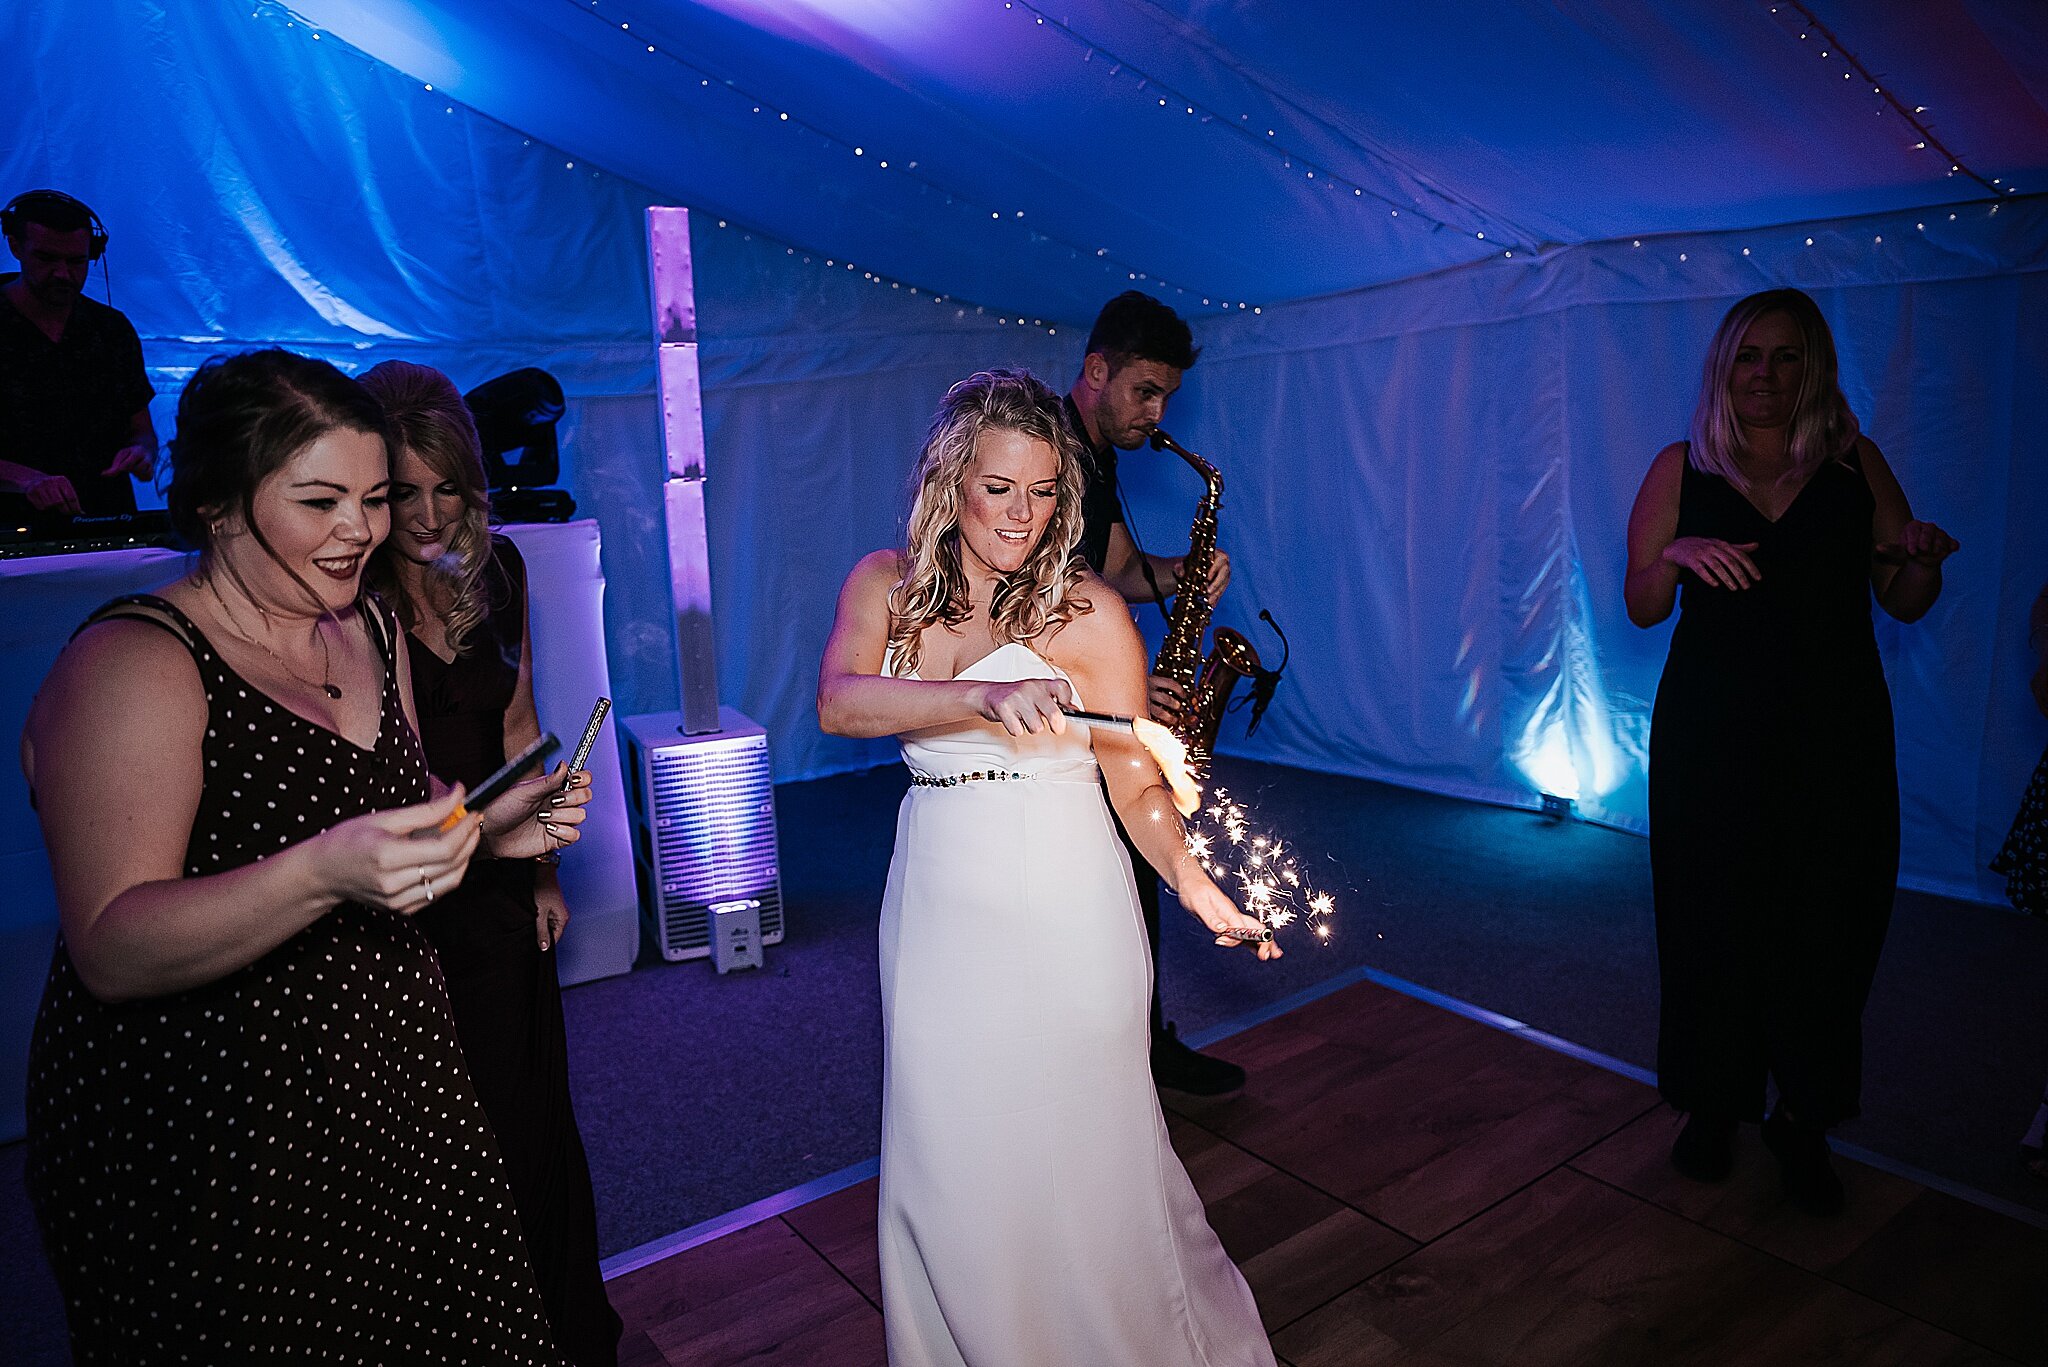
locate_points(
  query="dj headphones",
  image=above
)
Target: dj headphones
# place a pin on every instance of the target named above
(12, 223)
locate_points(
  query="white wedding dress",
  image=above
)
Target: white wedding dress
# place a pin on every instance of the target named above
(1032, 1211)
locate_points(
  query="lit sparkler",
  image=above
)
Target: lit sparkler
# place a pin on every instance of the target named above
(1269, 883)
(1166, 749)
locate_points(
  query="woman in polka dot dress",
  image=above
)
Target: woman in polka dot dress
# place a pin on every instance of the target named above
(251, 1135)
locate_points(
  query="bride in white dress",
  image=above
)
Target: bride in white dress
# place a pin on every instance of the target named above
(1032, 1211)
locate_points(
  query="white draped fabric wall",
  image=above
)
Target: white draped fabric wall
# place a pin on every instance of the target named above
(1430, 484)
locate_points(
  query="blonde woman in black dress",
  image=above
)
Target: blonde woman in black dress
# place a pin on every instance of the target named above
(1774, 795)
(250, 1132)
(461, 594)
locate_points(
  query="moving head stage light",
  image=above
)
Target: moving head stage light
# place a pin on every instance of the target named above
(517, 413)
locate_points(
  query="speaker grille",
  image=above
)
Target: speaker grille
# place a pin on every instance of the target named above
(709, 837)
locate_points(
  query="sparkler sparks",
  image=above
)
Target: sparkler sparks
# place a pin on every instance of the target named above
(1269, 884)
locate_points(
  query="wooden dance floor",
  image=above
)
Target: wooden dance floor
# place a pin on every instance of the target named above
(1402, 1184)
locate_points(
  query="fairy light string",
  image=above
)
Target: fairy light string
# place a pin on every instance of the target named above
(617, 18)
(279, 12)
(1175, 99)
(1832, 47)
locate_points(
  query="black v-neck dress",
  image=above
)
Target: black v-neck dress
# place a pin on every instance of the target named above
(507, 1000)
(1774, 808)
(287, 1164)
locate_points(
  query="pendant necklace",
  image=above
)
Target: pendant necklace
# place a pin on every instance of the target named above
(326, 685)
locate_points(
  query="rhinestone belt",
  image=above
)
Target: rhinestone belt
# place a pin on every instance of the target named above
(918, 780)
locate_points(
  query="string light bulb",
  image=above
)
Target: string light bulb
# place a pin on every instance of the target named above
(1889, 99)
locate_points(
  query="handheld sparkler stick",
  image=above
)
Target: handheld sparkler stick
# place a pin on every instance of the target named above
(590, 730)
(1107, 721)
(1263, 935)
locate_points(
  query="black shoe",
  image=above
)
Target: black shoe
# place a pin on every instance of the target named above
(1803, 1156)
(1705, 1150)
(1180, 1068)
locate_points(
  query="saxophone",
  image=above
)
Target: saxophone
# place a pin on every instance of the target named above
(1208, 681)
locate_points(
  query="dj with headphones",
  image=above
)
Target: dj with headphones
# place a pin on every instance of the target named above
(74, 399)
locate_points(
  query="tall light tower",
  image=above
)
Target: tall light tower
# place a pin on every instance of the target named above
(699, 779)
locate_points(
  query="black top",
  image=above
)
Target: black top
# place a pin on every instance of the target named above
(1101, 508)
(65, 405)
(462, 702)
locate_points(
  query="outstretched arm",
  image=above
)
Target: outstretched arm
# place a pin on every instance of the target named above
(1106, 657)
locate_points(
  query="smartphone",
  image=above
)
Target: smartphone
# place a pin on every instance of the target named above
(493, 788)
(590, 730)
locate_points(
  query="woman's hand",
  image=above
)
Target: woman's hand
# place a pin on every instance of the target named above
(1026, 707)
(1200, 895)
(545, 815)
(550, 913)
(1920, 543)
(1725, 565)
(397, 858)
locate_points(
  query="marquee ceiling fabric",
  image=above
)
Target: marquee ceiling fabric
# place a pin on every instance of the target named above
(1031, 157)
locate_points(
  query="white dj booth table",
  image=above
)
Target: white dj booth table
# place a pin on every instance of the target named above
(42, 601)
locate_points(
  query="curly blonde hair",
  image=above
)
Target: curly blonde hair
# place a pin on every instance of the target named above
(429, 417)
(1040, 595)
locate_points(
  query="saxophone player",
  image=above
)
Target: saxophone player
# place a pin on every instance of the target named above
(1137, 352)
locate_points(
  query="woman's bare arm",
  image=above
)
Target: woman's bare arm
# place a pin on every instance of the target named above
(113, 749)
(1905, 569)
(853, 697)
(1651, 588)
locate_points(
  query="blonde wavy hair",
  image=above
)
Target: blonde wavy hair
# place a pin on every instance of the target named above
(429, 417)
(1824, 428)
(1041, 595)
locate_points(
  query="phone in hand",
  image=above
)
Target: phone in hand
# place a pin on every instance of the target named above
(494, 787)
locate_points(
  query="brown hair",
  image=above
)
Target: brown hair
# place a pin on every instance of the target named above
(240, 419)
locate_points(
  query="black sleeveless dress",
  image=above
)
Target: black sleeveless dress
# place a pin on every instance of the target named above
(1774, 808)
(507, 1000)
(287, 1164)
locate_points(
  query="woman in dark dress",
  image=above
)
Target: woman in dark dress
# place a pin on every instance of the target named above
(251, 1136)
(1774, 800)
(461, 593)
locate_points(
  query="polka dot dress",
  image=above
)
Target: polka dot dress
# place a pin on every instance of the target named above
(288, 1164)
(2023, 859)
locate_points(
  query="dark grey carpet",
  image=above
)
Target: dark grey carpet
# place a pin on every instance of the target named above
(699, 1094)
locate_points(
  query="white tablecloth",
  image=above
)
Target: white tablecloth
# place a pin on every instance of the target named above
(42, 601)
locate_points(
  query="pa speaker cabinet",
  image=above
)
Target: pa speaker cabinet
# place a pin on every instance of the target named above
(703, 828)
